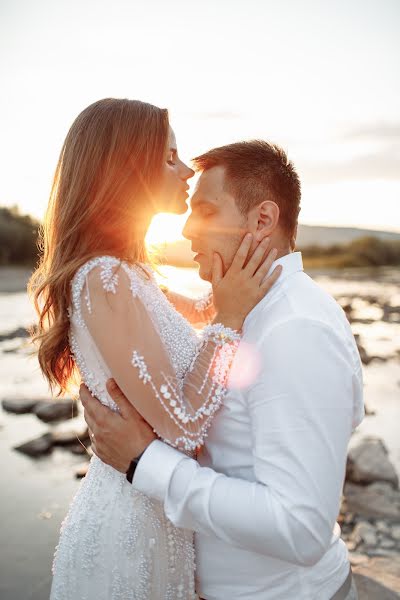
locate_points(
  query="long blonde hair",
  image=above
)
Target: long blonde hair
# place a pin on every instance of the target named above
(102, 194)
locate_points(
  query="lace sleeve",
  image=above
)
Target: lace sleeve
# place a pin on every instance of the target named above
(179, 409)
(197, 311)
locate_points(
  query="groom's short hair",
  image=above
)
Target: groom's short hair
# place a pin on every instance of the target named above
(255, 171)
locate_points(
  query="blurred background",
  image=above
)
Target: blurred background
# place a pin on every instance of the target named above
(319, 78)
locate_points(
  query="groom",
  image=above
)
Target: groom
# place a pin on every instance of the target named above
(264, 494)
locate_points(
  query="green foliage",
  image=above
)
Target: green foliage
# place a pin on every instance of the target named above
(18, 238)
(362, 252)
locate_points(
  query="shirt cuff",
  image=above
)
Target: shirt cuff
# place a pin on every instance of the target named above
(155, 468)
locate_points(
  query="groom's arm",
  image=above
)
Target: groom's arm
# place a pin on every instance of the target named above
(301, 413)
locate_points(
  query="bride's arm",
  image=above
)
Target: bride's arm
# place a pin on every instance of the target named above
(179, 409)
(198, 311)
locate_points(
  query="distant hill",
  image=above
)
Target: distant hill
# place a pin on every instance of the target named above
(310, 235)
(179, 253)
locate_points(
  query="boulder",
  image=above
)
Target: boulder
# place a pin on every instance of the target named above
(391, 314)
(377, 500)
(21, 332)
(37, 447)
(365, 533)
(368, 461)
(395, 532)
(19, 406)
(56, 410)
(383, 527)
(387, 544)
(78, 449)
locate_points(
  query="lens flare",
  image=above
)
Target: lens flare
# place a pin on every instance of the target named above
(246, 366)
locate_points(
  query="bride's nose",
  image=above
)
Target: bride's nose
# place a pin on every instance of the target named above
(187, 172)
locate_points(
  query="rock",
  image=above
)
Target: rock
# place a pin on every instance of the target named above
(19, 406)
(45, 514)
(66, 434)
(365, 357)
(348, 309)
(81, 471)
(37, 447)
(363, 321)
(56, 410)
(351, 546)
(391, 314)
(368, 462)
(372, 552)
(378, 579)
(372, 299)
(369, 411)
(77, 448)
(387, 543)
(395, 532)
(377, 500)
(21, 332)
(383, 527)
(348, 518)
(364, 532)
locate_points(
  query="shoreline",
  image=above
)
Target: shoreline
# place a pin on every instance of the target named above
(14, 279)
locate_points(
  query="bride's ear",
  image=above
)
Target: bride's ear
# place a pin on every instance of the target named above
(266, 218)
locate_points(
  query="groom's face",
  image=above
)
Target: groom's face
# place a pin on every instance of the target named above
(215, 223)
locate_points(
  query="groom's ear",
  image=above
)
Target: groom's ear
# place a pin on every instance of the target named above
(265, 218)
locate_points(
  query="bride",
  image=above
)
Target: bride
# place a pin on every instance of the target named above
(102, 314)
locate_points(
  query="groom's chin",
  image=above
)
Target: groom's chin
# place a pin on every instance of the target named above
(204, 273)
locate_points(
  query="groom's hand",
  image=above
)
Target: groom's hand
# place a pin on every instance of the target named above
(116, 438)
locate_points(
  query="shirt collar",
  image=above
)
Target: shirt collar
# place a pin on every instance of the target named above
(291, 263)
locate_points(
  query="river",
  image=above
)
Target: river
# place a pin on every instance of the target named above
(35, 493)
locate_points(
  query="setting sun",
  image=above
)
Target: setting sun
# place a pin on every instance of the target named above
(165, 228)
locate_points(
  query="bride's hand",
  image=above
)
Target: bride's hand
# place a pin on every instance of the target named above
(244, 284)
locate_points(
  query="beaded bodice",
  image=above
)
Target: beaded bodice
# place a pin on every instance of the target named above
(176, 333)
(123, 326)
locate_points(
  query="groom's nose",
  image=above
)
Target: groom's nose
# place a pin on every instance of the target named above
(189, 228)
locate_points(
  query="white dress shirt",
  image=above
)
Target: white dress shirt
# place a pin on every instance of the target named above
(264, 496)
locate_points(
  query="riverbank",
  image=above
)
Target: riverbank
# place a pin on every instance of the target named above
(37, 491)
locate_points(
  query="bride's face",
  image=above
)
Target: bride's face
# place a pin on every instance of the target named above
(174, 187)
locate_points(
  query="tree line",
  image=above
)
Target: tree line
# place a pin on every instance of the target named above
(365, 251)
(18, 238)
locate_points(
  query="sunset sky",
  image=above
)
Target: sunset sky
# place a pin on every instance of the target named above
(319, 77)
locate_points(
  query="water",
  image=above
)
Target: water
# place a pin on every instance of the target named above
(35, 493)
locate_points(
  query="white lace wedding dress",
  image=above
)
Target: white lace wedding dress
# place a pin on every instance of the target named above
(116, 543)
